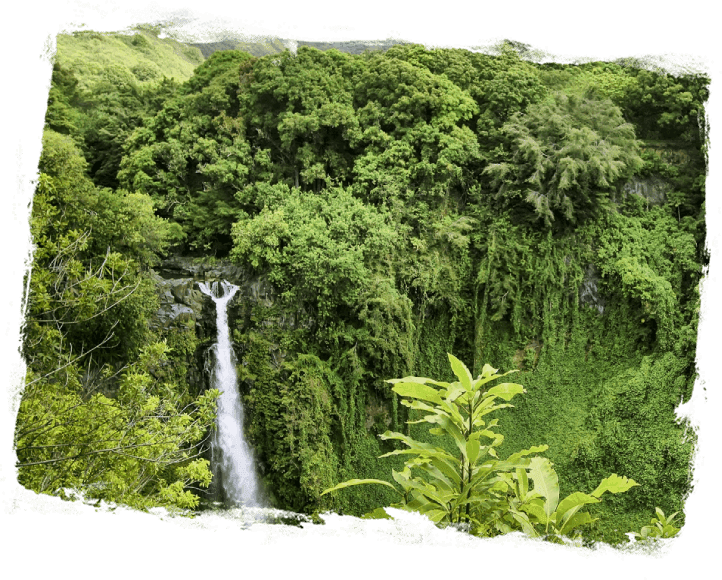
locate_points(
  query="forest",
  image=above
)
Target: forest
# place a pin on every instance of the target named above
(403, 205)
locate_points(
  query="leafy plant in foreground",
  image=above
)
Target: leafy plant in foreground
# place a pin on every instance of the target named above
(476, 487)
(660, 527)
(541, 513)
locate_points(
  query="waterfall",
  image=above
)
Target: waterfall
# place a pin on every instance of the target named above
(232, 458)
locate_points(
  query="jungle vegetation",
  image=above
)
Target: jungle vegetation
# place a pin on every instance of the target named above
(404, 204)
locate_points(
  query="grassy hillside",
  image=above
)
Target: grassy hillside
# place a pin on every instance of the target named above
(141, 57)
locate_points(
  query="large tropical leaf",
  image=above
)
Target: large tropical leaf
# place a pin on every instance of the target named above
(614, 484)
(419, 380)
(568, 506)
(506, 391)
(425, 453)
(418, 391)
(546, 482)
(461, 372)
(578, 519)
(472, 450)
(413, 443)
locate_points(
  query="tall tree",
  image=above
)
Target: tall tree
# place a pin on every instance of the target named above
(565, 158)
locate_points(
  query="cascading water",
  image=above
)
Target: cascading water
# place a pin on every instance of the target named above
(232, 458)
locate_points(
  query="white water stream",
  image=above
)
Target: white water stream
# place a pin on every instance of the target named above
(232, 458)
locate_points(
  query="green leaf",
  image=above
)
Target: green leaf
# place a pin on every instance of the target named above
(523, 520)
(451, 428)
(449, 464)
(377, 514)
(574, 500)
(487, 371)
(614, 484)
(418, 391)
(452, 409)
(576, 520)
(546, 482)
(418, 380)
(535, 508)
(488, 374)
(460, 371)
(407, 440)
(472, 450)
(523, 482)
(352, 482)
(506, 391)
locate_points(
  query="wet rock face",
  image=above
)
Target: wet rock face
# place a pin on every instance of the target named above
(184, 307)
(654, 189)
(181, 303)
(589, 290)
(203, 271)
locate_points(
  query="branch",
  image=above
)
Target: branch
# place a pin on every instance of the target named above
(81, 355)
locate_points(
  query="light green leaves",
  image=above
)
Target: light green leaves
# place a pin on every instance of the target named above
(558, 518)
(472, 450)
(454, 488)
(614, 484)
(660, 527)
(418, 391)
(506, 391)
(352, 482)
(546, 482)
(461, 372)
(475, 486)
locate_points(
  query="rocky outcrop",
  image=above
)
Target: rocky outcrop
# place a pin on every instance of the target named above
(181, 303)
(183, 307)
(654, 189)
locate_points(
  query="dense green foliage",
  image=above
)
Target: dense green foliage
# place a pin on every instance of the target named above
(472, 486)
(401, 205)
(100, 413)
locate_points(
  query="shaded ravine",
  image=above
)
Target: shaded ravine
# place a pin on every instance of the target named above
(232, 461)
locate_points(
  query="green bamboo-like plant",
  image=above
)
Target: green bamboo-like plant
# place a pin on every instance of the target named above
(456, 488)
